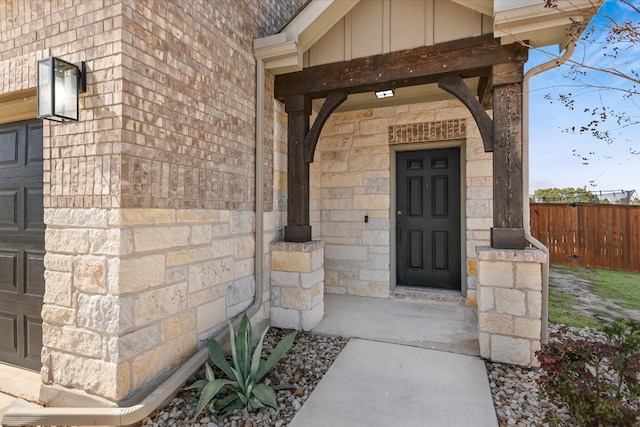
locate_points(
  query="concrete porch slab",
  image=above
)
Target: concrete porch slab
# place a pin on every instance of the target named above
(20, 383)
(17, 387)
(427, 324)
(379, 384)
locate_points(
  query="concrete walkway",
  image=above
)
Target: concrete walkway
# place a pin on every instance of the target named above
(437, 325)
(394, 377)
(411, 363)
(377, 384)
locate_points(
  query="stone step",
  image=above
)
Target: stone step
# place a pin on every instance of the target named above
(424, 294)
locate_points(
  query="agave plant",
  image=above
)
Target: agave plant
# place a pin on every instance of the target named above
(242, 387)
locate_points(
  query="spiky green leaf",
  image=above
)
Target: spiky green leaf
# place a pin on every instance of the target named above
(243, 347)
(232, 340)
(230, 407)
(209, 392)
(243, 398)
(224, 403)
(283, 346)
(255, 361)
(239, 380)
(198, 384)
(217, 357)
(209, 372)
(266, 395)
(255, 403)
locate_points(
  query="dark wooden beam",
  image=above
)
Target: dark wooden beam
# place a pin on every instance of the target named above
(485, 92)
(504, 73)
(507, 231)
(333, 101)
(298, 109)
(507, 73)
(454, 84)
(470, 57)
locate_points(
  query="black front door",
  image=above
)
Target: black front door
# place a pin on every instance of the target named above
(21, 243)
(428, 218)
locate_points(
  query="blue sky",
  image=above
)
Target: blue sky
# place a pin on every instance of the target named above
(553, 161)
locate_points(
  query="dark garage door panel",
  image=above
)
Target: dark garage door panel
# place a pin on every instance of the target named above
(21, 337)
(21, 243)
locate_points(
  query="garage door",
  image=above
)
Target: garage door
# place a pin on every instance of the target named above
(21, 243)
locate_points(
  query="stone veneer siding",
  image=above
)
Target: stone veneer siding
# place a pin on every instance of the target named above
(131, 291)
(149, 197)
(510, 304)
(297, 287)
(351, 178)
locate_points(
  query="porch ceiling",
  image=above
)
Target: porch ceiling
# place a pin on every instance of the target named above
(403, 95)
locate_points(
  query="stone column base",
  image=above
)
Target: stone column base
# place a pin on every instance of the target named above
(510, 304)
(297, 284)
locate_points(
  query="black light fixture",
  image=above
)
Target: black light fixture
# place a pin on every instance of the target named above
(59, 86)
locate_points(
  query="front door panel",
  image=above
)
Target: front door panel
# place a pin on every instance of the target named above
(428, 218)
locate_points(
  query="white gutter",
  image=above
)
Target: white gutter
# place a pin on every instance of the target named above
(69, 416)
(545, 66)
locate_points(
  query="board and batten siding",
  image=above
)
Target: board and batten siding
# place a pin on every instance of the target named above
(374, 27)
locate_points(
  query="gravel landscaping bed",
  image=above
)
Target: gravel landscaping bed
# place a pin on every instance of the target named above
(299, 372)
(514, 388)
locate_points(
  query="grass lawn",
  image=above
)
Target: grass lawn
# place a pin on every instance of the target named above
(621, 287)
(560, 311)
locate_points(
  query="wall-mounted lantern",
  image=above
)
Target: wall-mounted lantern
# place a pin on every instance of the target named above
(59, 86)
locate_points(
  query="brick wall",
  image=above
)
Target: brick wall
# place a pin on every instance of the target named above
(351, 178)
(149, 198)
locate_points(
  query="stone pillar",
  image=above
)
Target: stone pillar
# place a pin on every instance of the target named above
(510, 304)
(297, 284)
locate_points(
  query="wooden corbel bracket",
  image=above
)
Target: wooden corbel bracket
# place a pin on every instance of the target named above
(331, 102)
(454, 84)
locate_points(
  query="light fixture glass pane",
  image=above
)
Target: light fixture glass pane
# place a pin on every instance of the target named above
(66, 90)
(386, 93)
(45, 106)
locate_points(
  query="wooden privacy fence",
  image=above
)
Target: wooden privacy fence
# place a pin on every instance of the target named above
(589, 235)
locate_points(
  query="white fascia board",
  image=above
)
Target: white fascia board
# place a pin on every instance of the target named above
(279, 56)
(289, 64)
(282, 52)
(531, 18)
(483, 6)
(318, 17)
(552, 32)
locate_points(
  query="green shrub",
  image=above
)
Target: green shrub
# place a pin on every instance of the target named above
(242, 387)
(598, 381)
